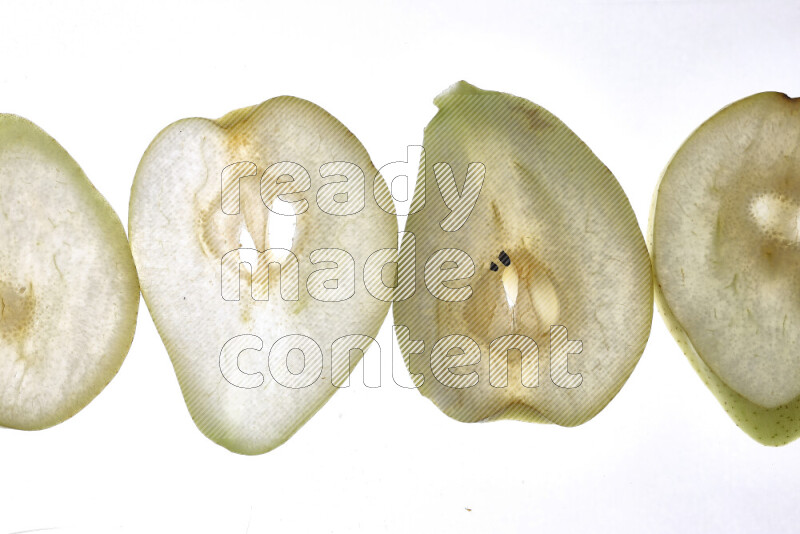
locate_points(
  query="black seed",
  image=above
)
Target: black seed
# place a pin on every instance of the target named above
(504, 259)
(493, 266)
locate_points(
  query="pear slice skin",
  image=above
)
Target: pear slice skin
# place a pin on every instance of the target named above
(724, 243)
(580, 261)
(179, 234)
(69, 294)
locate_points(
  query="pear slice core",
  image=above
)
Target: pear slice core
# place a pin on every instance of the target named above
(69, 294)
(561, 292)
(725, 239)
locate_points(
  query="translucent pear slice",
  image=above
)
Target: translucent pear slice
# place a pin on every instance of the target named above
(725, 238)
(576, 259)
(180, 233)
(68, 288)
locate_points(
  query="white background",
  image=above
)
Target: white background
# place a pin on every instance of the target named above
(631, 78)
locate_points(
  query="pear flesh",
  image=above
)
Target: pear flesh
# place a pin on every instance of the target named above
(69, 294)
(258, 350)
(551, 260)
(725, 239)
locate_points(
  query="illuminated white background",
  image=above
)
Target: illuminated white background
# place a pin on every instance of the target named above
(631, 78)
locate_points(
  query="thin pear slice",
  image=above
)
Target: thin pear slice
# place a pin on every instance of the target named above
(68, 288)
(725, 239)
(186, 228)
(559, 263)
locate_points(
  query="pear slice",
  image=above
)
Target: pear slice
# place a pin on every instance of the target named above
(725, 238)
(68, 288)
(559, 304)
(254, 354)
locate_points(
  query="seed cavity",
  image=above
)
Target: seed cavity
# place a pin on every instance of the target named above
(777, 216)
(531, 299)
(281, 229)
(510, 278)
(511, 284)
